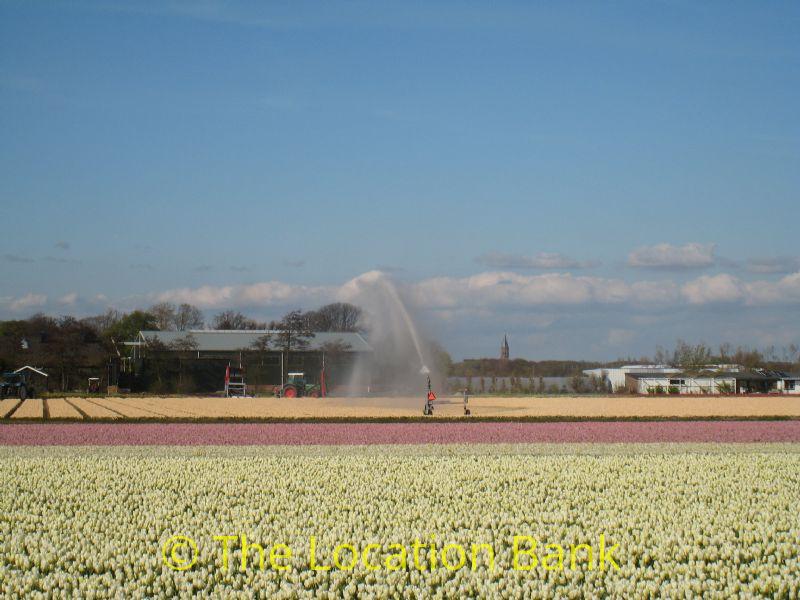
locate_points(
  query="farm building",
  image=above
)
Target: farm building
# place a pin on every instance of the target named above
(615, 378)
(738, 382)
(195, 361)
(37, 379)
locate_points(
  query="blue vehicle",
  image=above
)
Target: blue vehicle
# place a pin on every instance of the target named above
(15, 385)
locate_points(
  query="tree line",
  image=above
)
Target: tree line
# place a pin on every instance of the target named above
(691, 357)
(72, 349)
(337, 316)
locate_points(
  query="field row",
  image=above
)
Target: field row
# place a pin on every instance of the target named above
(480, 432)
(629, 525)
(154, 407)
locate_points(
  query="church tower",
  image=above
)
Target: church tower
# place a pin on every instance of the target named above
(504, 348)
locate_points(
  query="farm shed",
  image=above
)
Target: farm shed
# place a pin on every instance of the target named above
(680, 383)
(740, 382)
(195, 360)
(37, 378)
(616, 377)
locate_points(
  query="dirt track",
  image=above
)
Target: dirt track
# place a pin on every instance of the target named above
(165, 408)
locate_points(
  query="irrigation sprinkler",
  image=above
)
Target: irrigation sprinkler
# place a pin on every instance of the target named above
(428, 410)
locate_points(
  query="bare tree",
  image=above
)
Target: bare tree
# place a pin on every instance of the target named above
(262, 345)
(156, 355)
(188, 317)
(183, 345)
(339, 316)
(101, 323)
(164, 313)
(230, 319)
(661, 356)
(686, 355)
(293, 333)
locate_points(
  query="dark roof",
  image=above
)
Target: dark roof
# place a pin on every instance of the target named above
(233, 341)
(747, 376)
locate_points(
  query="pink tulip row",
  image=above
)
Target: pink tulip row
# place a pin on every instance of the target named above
(182, 434)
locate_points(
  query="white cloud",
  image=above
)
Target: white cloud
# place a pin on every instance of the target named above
(543, 260)
(494, 290)
(777, 264)
(270, 293)
(500, 288)
(27, 301)
(68, 299)
(717, 288)
(666, 256)
(785, 290)
(727, 288)
(655, 292)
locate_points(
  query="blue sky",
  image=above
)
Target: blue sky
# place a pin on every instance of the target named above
(530, 169)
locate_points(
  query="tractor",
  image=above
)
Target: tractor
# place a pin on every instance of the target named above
(15, 385)
(297, 386)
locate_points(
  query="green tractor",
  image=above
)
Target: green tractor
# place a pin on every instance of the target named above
(15, 385)
(296, 386)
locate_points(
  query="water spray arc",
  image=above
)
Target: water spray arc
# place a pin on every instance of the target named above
(399, 351)
(412, 330)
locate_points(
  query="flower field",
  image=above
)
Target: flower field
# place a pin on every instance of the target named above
(586, 407)
(333, 433)
(683, 520)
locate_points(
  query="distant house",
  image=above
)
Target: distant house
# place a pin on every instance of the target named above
(201, 357)
(709, 382)
(789, 383)
(678, 383)
(615, 378)
(709, 379)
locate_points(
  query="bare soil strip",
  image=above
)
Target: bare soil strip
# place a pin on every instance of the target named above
(80, 411)
(8, 406)
(32, 408)
(129, 408)
(95, 410)
(61, 408)
(159, 407)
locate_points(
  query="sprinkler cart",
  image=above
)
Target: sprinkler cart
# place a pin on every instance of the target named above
(430, 399)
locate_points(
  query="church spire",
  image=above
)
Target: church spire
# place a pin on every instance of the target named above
(504, 348)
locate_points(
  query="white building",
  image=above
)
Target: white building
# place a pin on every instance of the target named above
(718, 379)
(680, 383)
(615, 377)
(717, 382)
(790, 384)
